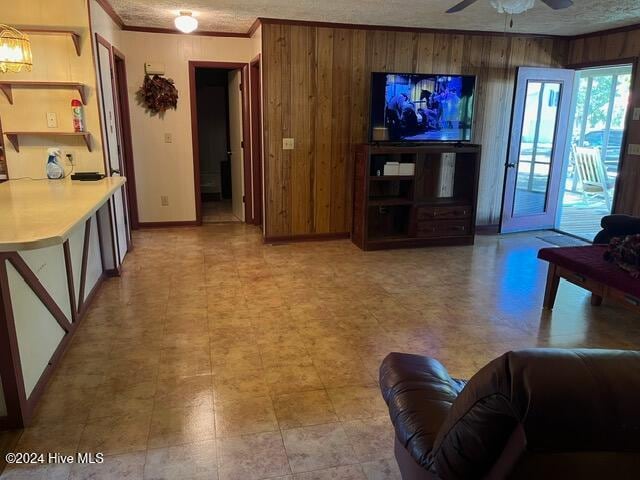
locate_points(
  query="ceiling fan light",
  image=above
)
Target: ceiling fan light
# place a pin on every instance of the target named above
(512, 7)
(186, 23)
(15, 50)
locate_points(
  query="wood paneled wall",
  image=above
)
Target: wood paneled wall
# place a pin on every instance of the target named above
(316, 90)
(608, 48)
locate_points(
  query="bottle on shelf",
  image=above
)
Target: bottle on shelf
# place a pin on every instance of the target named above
(78, 115)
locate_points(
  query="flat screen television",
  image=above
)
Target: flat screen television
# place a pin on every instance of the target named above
(418, 107)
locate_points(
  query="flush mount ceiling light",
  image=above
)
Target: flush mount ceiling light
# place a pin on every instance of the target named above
(185, 22)
(512, 7)
(15, 50)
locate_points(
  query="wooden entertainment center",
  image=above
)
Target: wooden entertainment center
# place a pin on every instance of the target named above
(436, 205)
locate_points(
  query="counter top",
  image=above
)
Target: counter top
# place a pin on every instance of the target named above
(41, 213)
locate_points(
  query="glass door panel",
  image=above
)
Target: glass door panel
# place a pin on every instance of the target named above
(536, 147)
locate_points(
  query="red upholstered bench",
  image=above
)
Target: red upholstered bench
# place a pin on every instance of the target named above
(587, 268)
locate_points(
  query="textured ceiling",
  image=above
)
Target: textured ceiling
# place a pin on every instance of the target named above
(237, 15)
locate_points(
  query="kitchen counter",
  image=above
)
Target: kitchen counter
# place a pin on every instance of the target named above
(41, 213)
(59, 240)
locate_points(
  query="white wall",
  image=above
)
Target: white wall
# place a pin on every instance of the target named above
(102, 24)
(167, 168)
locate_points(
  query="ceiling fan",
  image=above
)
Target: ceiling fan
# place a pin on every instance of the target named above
(513, 6)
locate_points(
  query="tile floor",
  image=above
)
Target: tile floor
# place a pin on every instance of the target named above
(217, 357)
(219, 211)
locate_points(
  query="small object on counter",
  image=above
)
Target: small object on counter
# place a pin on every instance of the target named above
(407, 169)
(87, 176)
(391, 168)
(78, 115)
(54, 167)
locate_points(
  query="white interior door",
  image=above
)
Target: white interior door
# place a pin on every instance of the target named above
(235, 144)
(112, 149)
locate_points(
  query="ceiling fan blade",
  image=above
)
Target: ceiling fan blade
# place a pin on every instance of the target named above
(461, 6)
(558, 4)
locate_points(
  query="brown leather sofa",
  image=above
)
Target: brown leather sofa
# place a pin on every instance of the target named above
(617, 225)
(531, 414)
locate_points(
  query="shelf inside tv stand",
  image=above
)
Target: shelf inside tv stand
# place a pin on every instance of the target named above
(435, 206)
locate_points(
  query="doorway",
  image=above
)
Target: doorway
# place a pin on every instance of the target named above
(122, 105)
(567, 132)
(592, 163)
(222, 158)
(113, 145)
(256, 138)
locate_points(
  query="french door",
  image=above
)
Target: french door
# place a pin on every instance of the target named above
(538, 140)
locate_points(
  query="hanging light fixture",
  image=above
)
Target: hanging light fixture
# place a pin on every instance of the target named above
(186, 23)
(15, 50)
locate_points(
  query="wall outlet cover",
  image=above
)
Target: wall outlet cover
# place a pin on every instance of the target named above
(636, 113)
(634, 149)
(168, 138)
(164, 200)
(52, 120)
(288, 143)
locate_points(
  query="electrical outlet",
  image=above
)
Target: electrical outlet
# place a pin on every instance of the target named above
(634, 149)
(287, 143)
(69, 158)
(636, 113)
(167, 138)
(164, 200)
(52, 120)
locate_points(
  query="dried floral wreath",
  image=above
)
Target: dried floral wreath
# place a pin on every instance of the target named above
(157, 94)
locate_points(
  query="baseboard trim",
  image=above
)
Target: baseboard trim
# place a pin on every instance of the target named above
(312, 237)
(487, 229)
(182, 223)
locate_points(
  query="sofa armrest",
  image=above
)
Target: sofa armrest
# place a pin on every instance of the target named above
(619, 224)
(419, 393)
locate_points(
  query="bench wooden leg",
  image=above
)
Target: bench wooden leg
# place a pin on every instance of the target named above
(551, 290)
(596, 300)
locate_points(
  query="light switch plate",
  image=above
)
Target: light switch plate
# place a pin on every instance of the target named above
(287, 143)
(52, 120)
(636, 113)
(634, 149)
(167, 138)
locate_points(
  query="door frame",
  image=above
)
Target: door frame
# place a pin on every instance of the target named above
(246, 132)
(624, 145)
(560, 140)
(115, 242)
(256, 137)
(124, 116)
